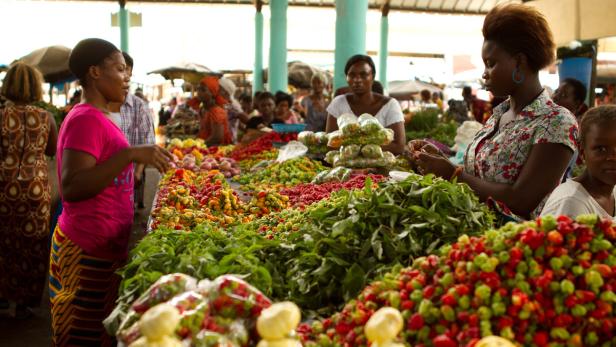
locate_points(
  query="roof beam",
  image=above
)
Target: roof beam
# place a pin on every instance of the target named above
(403, 7)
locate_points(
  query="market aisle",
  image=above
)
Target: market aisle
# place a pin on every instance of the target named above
(36, 331)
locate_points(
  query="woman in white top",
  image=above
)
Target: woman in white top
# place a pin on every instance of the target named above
(360, 72)
(593, 191)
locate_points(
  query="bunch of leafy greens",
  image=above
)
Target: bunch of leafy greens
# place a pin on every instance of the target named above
(368, 232)
(347, 241)
(426, 125)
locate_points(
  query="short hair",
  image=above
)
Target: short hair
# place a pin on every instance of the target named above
(596, 116)
(425, 94)
(522, 29)
(88, 53)
(467, 90)
(318, 77)
(128, 59)
(282, 96)
(377, 87)
(22, 83)
(245, 97)
(579, 90)
(359, 58)
(264, 96)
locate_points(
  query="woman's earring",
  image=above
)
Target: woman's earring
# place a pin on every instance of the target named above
(517, 80)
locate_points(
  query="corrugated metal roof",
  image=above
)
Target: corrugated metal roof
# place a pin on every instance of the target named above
(432, 6)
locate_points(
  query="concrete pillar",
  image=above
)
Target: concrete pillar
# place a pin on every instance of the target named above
(383, 49)
(124, 19)
(257, 83)
(350, 35)
(278, 74)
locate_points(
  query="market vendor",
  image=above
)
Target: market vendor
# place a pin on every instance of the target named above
(521, 153)
(214, 128)
(266, 105)
(360, 72)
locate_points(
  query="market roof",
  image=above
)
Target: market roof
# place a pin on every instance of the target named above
(434, 6)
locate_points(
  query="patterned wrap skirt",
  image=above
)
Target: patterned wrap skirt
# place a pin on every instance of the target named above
(82, 290)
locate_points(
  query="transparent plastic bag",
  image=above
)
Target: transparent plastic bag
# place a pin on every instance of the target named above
(232, 297)
(207, 338)
(164, 289)
(334, 139)
(192, 307)
(321, 138)
(320, 177)
(369, 124)
(348, 125)
(338, 174)
(349, 152)
(129, 332)
(308, 138)
(330, 156)
(372, 151)
(292, 150)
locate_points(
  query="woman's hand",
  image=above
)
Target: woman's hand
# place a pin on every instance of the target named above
(426, 158)
(153, 155)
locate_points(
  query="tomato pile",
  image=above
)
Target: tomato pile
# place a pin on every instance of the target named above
(306, 194)
(264, 143)
(545, 283)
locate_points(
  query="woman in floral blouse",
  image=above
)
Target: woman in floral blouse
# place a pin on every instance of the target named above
(522, 152)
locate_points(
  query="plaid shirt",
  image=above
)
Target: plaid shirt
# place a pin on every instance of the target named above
(136, 121)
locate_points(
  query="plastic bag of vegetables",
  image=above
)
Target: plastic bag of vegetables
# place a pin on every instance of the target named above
(334, 139)
(321, 177)
(339, 174)
(348, 125)
(164, 289)
(321, 138)
(208, 338)
(369, 124)
(330, 156)
(232, 297)
(349, 152)
(308, 138)
(372, 151)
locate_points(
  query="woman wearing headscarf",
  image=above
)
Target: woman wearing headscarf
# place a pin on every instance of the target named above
(214, 127)
(95, 167)
(27, 134)
(521, 153)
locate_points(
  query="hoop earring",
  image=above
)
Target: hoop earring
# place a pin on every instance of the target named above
(521, 79)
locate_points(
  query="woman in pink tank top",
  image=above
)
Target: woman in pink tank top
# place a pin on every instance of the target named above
(95, 169)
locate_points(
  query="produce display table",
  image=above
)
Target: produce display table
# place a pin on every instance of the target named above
(343, 250)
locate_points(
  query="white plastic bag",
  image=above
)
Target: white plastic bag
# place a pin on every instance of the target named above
(292, 150)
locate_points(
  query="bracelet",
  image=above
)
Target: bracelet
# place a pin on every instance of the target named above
(457, 172)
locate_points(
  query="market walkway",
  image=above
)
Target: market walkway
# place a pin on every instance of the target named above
(36, 331)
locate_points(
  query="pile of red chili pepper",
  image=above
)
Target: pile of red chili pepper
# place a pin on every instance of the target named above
(306, 194)
(264, 143)
(548, 282)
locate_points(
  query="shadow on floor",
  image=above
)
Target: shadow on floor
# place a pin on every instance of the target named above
(36, 331)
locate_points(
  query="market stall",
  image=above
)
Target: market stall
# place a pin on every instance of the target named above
(368, 255)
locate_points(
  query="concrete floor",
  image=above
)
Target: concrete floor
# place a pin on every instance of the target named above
(36, 331)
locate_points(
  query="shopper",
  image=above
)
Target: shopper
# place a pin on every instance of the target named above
(571, 94)
(95, 168)
(315, 105)
(27, 134)
(284, 113)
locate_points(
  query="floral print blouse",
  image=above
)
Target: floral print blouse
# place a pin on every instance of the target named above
(498, 154)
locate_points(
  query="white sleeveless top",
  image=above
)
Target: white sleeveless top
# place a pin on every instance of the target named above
(390, 113)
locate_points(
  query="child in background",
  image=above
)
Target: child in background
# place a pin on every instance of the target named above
(593, 191)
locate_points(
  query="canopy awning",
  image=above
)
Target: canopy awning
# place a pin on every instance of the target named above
(572, 20)
(433, 6)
